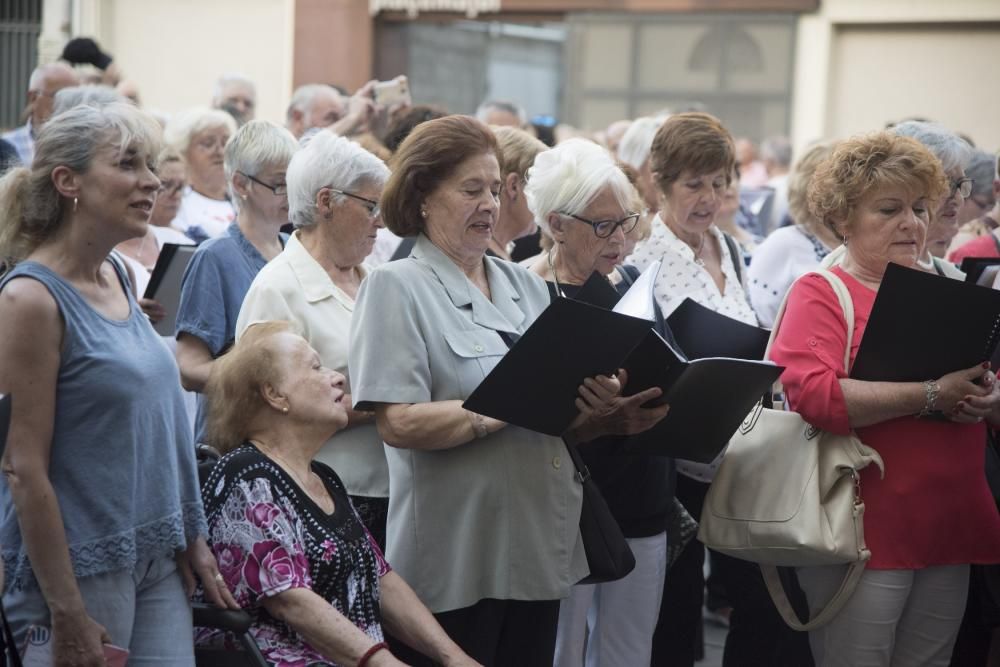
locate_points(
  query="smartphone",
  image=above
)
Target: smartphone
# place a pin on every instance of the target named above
(389, 93)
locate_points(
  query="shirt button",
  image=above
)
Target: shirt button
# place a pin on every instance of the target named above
(478, 348)
(812, 342)
(557, 463)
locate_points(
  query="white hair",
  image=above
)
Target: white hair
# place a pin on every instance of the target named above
(304, 95)
(183, 126)
(328, 161)
(257, 145)
(228, 78)
(637, 142)
(483, 112)
(95, 96)
(565, 179)
(953, 151)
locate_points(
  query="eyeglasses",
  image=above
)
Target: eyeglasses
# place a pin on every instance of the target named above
(279, 190)
(171, 187)
(374, 209)
(963, 186)
(605, 228)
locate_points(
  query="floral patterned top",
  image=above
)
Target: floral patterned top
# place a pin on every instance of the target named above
(269, 537)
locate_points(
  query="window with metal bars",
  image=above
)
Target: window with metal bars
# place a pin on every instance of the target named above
(20, 25)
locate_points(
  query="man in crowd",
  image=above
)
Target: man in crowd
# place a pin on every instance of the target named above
(236, 95)
(317, 105)
(45, 81)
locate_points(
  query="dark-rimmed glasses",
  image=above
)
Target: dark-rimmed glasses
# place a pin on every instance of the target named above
(374, 209)
(605, 228)
(963, 186)
(279, 190)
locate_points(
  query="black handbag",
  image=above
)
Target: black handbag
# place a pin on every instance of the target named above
(608, 554)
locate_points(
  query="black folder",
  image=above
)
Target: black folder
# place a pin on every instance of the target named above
(709, 398)
(701, 332)
(165, 283)
(973, 267)
(535, 385)
(923, 326)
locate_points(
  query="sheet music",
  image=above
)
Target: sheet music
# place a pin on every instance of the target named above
(639, 300)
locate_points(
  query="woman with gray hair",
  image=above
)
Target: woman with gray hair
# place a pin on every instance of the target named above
(200, 136)
(954, 154)
(333, 190)
(587, 205)
(222, 269)
(103, 522)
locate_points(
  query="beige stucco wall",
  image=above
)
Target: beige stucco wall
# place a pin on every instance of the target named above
(862, 63)
(176, 49)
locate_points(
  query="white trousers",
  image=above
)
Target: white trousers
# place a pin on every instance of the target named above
(612, 624)
(896, 618)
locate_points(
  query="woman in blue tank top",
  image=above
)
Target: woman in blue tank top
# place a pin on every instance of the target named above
(101, 523)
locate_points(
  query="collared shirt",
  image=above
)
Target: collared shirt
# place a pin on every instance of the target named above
(23, 141)
(682, 277)
(212, 290)
(294, 287)
(785, 255)
(497, 517)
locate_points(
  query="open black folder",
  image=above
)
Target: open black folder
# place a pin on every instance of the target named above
(973, 268)
(701, 332)
(5, 406)
(923, 326)
(535, 385)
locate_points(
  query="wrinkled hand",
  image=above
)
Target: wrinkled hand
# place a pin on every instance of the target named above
(153, 309)
(959, 389)
(360, 109)
(199, 559)
(604, 411)
(976, 408)
(78, 640)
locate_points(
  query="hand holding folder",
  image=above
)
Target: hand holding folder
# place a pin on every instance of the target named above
(165, 283)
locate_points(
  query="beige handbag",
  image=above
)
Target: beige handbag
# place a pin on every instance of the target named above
(788, 494)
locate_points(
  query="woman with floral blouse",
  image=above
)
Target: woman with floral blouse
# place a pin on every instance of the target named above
(290, 545)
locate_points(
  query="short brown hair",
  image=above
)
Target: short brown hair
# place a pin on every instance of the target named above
(426, 158)
(234, 387)
(870, 162)
(692, 141)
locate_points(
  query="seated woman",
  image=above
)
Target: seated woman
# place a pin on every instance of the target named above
(292, 549)
(932, 514)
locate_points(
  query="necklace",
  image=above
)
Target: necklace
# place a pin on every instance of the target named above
(555, 274)
(697, 253)
(285, 465)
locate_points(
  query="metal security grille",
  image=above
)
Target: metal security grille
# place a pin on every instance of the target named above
(20, 25)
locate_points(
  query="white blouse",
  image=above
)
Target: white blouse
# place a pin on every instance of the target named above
(682, 277)
(785, 255)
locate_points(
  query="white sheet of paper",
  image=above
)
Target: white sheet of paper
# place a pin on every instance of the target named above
(639, 300)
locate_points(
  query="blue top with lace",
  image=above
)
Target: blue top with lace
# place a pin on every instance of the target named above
(122, 458)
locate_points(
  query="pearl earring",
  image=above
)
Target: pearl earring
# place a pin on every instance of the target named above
(423, 213)
(285, 409)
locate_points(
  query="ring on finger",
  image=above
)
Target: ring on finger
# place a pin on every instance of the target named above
(219, 579)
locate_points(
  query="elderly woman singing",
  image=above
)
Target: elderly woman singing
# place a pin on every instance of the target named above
(933, 514)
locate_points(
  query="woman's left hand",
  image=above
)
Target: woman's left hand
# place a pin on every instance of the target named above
(153, 309)
(604, 411)
(199, 559)
(976, 408)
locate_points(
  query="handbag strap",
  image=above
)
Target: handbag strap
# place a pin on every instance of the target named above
(777, 590)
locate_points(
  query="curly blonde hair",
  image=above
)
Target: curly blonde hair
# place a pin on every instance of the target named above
(871, 162)
(234, 387)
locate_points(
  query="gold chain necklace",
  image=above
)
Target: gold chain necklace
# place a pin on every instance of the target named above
(285, 465)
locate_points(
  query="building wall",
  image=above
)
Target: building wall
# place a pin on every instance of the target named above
(861, 64)
(176, 50)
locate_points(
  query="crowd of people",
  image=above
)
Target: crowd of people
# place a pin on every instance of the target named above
(359, 271)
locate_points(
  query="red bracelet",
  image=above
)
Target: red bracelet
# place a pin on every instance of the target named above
(370, 652)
